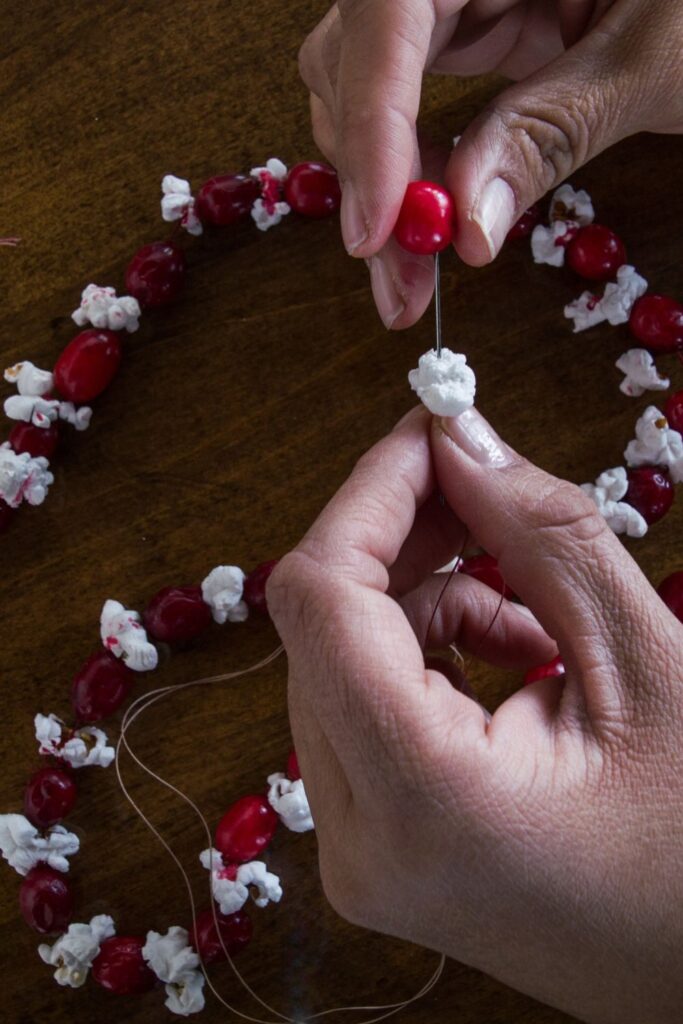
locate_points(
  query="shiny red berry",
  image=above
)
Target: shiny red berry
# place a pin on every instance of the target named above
(485, 569)
(100, 687)
(650, 491)
(596, 253)
(552, 668)
(176, 615)
(255, 586)
(235, 930)
(120, 968)
(526, 223)
(425, 221)
(46, 900)
(313, 189)
(293, 772)
(227, 199)
(673, 410)
(37, 441)
(49, 796)
(657, 322)
(156, 274)
(671, 592)
(87, 365)
(6, 516)
(246, 829)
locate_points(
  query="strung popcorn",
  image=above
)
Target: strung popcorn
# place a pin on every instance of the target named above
(78, 418)
(656, 444)
(615, 305)
(584, 311)
(445, 384)
(288, 799)
(569, 205)
(29, 379)
(230, 885)
(73, 953)
(641, 373)
(177, 203)
(607, 492)
(549, 243)
(222, 591)
(41, 412)
(82, 748)
(269, 209)
(101, 307)
(22, 477)
(176, 963)
(23, 847)
(124, 635)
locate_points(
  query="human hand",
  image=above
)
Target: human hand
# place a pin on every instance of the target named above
(544, 847)
(591, 72)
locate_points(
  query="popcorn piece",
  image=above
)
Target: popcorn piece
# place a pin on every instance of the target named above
(548, 243)
(641, 373)
(269, 209)
(23, 478)
(123, 635)
(607, 492)
(288, 799)
(617, 302)
(569, 205)
(78, 418)
(73, 953)
(265, 217)
(177, 203)
(40, 412)
(82, 748)
(446, 384)
(656, 444)
(230, 885)
(274, 169)
(222, 591)
(23, 847)
(29, 379)
(101, 307)
(585, 311)
(176, 963)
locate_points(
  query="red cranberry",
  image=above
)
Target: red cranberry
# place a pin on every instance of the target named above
(49, 796)
(235, 930)
(293, 772)
(87, 365)
(246, 829)
(37, 441)
(313, 189)
(650, 491)
(485, 569)
(100, 687)
(120, 968)
(255, 586)
(526, 223)
(552, 668)
(227, 199)
(657, 322)
(425, 221)
(176, 615)
(673, 410)
(6, 516)
(46, 900)
(156, 274)
(596, 253)
(671, 592)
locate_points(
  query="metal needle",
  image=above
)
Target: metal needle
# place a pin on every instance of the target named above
(437, 303)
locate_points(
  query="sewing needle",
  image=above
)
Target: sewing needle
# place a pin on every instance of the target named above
(437, 303)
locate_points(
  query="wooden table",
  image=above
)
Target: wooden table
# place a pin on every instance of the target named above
(182, 469)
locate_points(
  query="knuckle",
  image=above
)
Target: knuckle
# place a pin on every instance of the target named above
(288, 586)
(550, 140)
(562, 508)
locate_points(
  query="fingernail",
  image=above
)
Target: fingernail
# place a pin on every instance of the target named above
(495, 213)
(389, 303)
(476, 438)
(354, 226)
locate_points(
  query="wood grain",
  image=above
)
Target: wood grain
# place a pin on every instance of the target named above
(221, 439)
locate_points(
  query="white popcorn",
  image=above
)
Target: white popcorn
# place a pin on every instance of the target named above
(186, 995)
(73, 953)
(445, 384)
(23, 478)
(230, 886)
(585, 311)
(102, 308)
(81, 748)
(23, 847)
(548, 244)
(607, 492)
(269, 209)
(176, 963)
(78, 418)
(641, 373)
(222, 591)
(288, 799)
(123, 634)
(177, 203)
(569, 205)
(620, 295)
(656, 444)
(29, 379)
(41, 412)
(274, 167)
(268, 215)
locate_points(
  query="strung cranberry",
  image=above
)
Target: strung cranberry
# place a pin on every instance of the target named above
(176, 615)
(657, 322)
(485, 569)
(227, 199)
(156, 274)
(245, 829)
(46, 900)
(37, 441)
(425, 221)
(526, 223)
(100, 687)
(87, 365)
(6, 516)
(673, 410)
(120, 968)
(552, 668)
(313, 189)
(650, 491)
(671, 592)
(235, 930)
(49, 796)
(255, 586)
(293, 772)
(596, 252)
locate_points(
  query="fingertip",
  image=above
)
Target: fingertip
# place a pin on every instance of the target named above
(402, 286)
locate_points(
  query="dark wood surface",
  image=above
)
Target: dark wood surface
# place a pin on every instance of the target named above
(236, 414)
